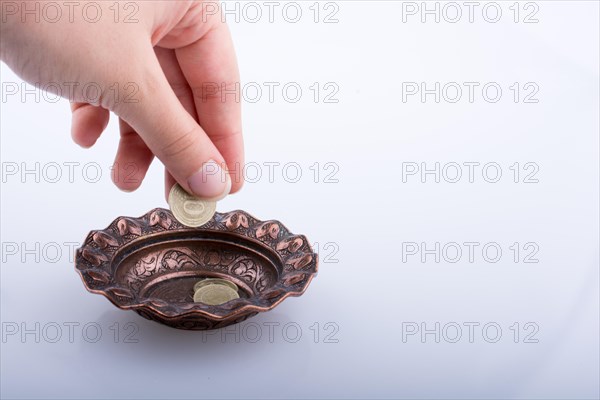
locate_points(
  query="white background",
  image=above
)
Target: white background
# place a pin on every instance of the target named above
(370, 296)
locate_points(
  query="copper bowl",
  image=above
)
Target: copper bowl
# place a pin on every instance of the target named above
(150, 265)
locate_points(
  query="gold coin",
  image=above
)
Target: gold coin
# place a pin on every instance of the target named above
(217, 281)
(190, 210)
(215, 294)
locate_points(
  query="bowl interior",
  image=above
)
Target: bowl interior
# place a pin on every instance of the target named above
(166, 265)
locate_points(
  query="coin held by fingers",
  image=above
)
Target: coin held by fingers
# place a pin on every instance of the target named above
(190, 210)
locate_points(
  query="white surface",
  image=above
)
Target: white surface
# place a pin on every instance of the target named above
(370, 294)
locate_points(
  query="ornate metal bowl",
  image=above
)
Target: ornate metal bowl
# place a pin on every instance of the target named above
(150, 265)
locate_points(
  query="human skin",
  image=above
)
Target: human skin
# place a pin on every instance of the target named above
(169, 67)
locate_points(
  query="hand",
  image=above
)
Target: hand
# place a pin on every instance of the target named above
(161, 75)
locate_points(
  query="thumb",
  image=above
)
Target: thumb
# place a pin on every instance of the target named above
(172, 134)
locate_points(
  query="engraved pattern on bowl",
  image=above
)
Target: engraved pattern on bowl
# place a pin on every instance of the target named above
(151, 263)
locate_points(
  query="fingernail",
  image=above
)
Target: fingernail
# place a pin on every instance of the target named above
(211, 182)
